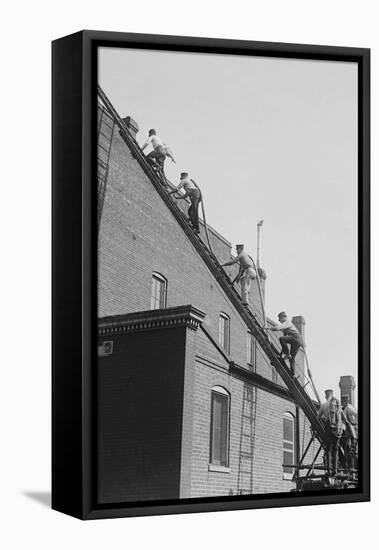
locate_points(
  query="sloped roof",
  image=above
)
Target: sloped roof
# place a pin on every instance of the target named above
(295, 388)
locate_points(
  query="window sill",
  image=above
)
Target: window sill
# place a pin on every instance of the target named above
(287, 477)
(220, 469)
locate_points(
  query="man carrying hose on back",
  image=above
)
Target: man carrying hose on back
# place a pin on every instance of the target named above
(193, 192)
(246, 274)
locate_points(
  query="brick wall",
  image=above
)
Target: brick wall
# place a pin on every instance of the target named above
(267, 430)
(138, 235)
(140, 402)
(154, 411)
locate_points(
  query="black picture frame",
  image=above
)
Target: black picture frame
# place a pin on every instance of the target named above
(74, 84)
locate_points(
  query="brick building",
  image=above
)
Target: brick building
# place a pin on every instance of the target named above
(189, 406)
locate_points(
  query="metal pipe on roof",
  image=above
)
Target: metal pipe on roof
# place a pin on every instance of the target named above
(259, 225)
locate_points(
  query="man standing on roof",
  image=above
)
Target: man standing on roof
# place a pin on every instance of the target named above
(160, 151)
(349, 440)
(291, 336)
(332, 415)
(246, 274)
(192, 191)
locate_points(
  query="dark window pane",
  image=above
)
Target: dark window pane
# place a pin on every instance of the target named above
(287, 459)
(158, 292)
(288, 429)
(288, 444)
(250, 348)
(224, 432)
(153, 292)
(219, 429)
(223, 332)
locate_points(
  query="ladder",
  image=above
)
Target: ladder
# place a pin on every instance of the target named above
(247, 441)
(295, 388)
(105, 129)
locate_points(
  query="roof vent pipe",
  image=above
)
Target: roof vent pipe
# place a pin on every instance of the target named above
(259, 225)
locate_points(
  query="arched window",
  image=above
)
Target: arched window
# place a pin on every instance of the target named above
(288, 444)
(219, 440)
(158, 291)
(224, 332)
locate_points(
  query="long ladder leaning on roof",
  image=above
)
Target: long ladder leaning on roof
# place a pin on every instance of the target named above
(295, 388)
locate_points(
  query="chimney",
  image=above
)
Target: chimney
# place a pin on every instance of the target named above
(299, 323)
(347, 386)
(132, 125)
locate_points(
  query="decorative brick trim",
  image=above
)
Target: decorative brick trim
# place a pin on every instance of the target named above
(174, 317)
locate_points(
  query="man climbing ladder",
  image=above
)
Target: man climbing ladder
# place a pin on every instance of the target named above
(246, 274)
(192, 191)
(160, 150)
(291, 337)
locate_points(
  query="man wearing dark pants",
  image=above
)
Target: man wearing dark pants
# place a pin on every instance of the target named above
(291, 337)
(158, 153)
(331, 414)
(349, 440)
(193, 192)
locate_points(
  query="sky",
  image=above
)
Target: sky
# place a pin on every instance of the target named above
(272, 139)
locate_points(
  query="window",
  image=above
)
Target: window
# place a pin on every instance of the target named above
(219, 445)
(251, 350)
(158, 291)
(224, 332)
(288, 444)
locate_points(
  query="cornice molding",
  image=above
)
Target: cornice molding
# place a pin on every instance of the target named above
(174, 317)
